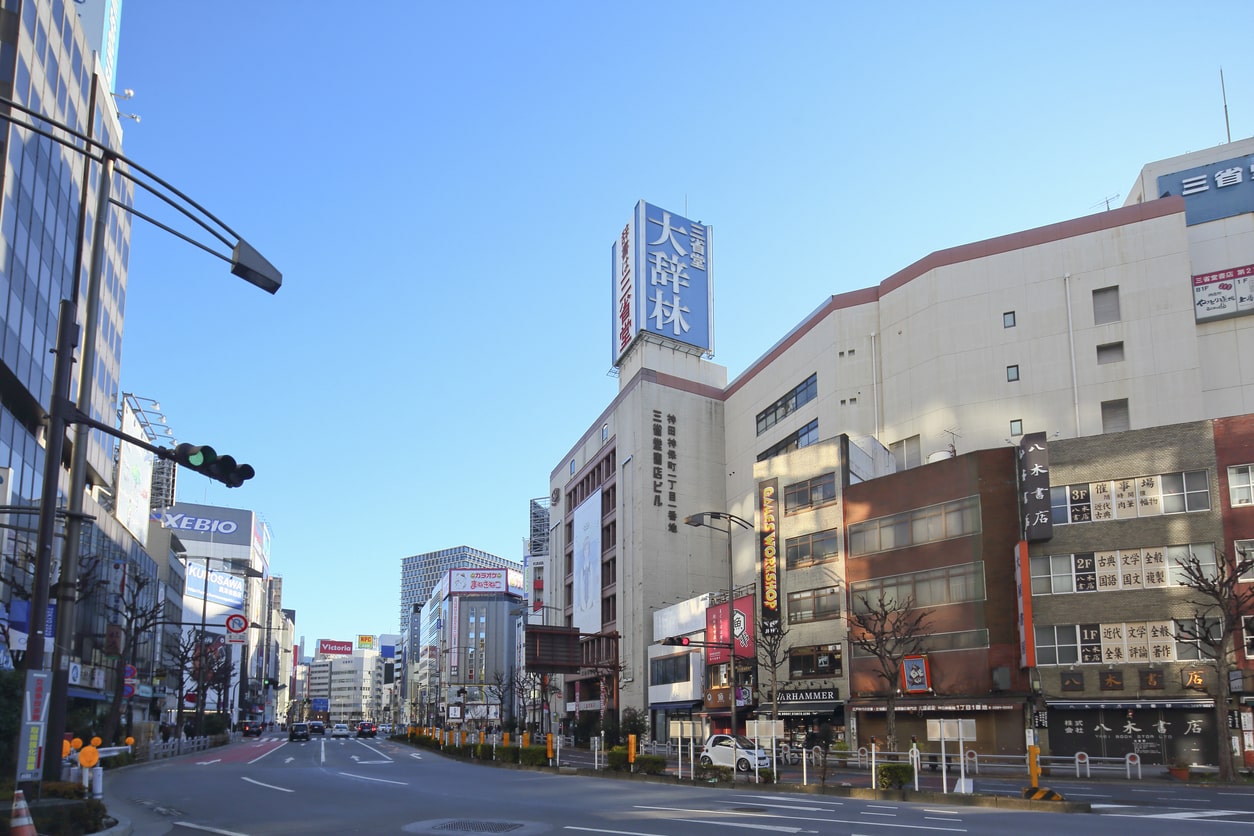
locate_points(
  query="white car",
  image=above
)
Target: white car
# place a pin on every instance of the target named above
(339, 730)
(718, 751)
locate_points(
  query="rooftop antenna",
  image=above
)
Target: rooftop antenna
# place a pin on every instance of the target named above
(1224, 91)
(953, 434)
(1106, 200)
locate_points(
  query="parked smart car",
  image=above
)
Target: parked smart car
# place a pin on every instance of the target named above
(718, 751)
(298, 731)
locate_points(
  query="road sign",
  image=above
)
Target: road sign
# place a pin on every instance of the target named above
(129, 672)
(128, 691)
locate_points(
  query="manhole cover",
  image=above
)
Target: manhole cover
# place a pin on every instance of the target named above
(477, 826)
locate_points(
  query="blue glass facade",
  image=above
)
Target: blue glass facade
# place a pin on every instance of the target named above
(46, 64)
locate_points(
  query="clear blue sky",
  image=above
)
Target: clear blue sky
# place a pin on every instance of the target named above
(440, 184)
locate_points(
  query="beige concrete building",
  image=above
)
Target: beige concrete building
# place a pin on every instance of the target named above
(1131, 318)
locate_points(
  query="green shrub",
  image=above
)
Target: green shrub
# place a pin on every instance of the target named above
(534, 756)
(483, 751)
(766, 776)
(616, 759)
(62, 789)
(508, 754)
(893, 775)
(651, 764)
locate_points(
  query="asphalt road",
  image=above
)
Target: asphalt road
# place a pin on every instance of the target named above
(270, 786)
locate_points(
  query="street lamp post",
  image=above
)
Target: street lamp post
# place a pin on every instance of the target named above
(245, 262)
(703, 519)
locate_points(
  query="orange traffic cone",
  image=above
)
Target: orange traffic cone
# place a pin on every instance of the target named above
(21, 823)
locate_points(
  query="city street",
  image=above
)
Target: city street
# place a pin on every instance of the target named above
(271, 786)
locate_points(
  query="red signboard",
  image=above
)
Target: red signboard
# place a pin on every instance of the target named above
(719, 637)
(331, 647)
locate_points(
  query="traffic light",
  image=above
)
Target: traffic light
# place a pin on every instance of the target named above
(681, 641)
(205, 460)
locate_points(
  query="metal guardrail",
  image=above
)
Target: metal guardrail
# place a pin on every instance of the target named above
(1081, 762)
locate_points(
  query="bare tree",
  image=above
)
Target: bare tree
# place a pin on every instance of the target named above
(179, 660)
(138, 612)
(887, 629)
(1220, 602)
(772, 652)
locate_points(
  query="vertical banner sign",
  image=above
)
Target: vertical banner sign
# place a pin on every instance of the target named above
(1023, 595)
(30, 759)
(768, 555)
(1033, 469)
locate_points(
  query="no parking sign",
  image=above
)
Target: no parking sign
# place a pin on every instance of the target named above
(236, 626)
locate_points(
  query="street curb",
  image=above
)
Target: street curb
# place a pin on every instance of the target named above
(122, 828)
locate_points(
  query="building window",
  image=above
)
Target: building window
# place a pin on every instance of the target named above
(1241, 484)
(907, 453)
(813, 605)
(605, 433)
(1008, 319)
(789, 403)
(1128, 498)
(1244, 550)
(815, 661)
(670, 670)
(1012, 374)
(1189, 491)
(572, 467)
(944, 521)
(1106, 305)
(1188, 648)
(1115, 416)
(810, 493)
(809, 549)
(1016, 427)
(804, 437)
(1247, 635)
(1057, 644)
(932, 588)
(1110, 353)
(1204, 553)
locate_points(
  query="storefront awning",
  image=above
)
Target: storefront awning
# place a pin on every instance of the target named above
(1141, 704)
(803, 709)
(85, 694)
(677, 705)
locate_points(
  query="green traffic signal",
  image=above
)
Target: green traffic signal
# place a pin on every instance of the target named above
(205, 460)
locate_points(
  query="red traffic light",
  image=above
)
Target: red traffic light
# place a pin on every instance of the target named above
(682, 641)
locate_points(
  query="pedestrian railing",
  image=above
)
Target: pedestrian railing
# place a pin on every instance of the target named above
(156, 750)
(977, 763)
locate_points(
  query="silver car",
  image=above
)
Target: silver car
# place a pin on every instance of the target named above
(339, 730)
(718, 751)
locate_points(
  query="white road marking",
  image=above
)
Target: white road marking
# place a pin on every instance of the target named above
(415, 755)
(858, 823)
(777, 828)
(376, 751)
(268, 786)
(191, 826)
(380, 780)
(271, 752)
(206, 763)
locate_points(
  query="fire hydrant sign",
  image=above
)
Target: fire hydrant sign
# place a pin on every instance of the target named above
(30, 759)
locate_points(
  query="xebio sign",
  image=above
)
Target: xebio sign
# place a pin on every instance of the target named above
(330, 647)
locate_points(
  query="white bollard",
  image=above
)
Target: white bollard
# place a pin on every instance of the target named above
(97, 782)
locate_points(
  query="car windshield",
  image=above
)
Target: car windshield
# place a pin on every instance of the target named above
(744, 742)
